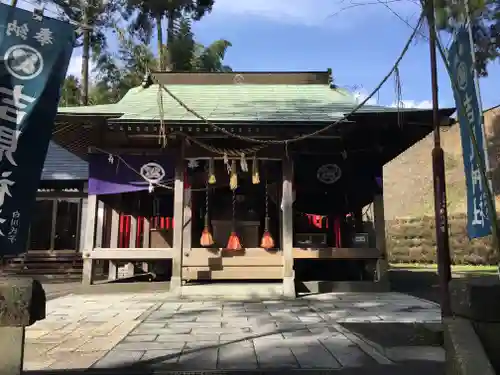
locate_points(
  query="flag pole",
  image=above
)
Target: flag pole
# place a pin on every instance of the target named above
(487, 167)
(439, 177)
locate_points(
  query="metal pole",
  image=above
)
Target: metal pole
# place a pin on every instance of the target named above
(13, 3)
(439, 179)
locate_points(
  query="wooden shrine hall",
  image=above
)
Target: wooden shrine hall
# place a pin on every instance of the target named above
(204, 187)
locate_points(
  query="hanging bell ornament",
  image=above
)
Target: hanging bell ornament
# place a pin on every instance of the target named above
(233, 178)
(255, 171)
(267, 241)
(211, 172)
(206, 239)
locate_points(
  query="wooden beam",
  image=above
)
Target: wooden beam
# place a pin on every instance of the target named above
(176, 280)
(287, 232)
(89, 239)
(117, 254)
(336, 253)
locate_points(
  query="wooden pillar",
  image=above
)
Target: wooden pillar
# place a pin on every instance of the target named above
(53, 226)
(89, 239)
(176, 280)
(113, 241)
(287, 231)
(379, 225)
(187, 232)
(99, 232)
(146, 232)
(129, 267)
(79, 224)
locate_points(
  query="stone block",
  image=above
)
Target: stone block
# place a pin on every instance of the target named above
(476, 299)
(464, 352)
(22, 302)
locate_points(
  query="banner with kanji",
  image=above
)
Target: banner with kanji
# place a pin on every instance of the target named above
(34, 56)
(470, 117)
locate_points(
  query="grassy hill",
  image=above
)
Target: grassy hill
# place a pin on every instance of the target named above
(408, 187)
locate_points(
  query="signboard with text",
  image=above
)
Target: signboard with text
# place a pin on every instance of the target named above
(34, 55)
(470, 117)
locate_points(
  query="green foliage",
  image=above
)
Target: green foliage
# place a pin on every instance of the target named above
(70, 92)
(485, 16)
(118, 72)
(100, 16)
(412, 240)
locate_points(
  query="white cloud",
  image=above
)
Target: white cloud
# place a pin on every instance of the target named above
(332, 13)
(424, 104)
(362, 94)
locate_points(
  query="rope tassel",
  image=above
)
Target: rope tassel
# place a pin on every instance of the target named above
(234, 243)
(211, 172)
(267, 241)
(206, 239)
(255, 171)
(233, 178)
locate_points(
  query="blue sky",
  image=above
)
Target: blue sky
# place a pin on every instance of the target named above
(359, 43)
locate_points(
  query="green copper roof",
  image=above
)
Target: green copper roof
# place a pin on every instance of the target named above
(226, 103)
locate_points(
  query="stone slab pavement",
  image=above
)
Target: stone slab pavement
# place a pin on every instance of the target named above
(155, 330)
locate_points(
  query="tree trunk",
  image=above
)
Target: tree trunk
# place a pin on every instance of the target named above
(161, 57)
(170, 35)
(85, 61)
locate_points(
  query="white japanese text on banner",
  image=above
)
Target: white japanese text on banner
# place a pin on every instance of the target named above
(469, 116)
(34, 57)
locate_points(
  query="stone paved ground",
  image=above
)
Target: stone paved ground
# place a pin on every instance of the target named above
(112, 330)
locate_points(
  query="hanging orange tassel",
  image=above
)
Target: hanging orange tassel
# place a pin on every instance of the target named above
(234, 242)
(267, 241)
(206, 239)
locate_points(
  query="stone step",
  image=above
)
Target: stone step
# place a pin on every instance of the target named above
(233, 291)
(410, 368)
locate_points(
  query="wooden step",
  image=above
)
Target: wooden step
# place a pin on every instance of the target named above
(62, 264)
(41, 271)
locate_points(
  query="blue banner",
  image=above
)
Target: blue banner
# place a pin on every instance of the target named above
(34, 55)
(469, 116)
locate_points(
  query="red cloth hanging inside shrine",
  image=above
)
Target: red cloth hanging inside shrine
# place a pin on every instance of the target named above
(317, 220)
(187, 185)
(322, 222)
(337, 231)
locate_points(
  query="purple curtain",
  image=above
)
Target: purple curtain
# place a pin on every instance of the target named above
(129, 175)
